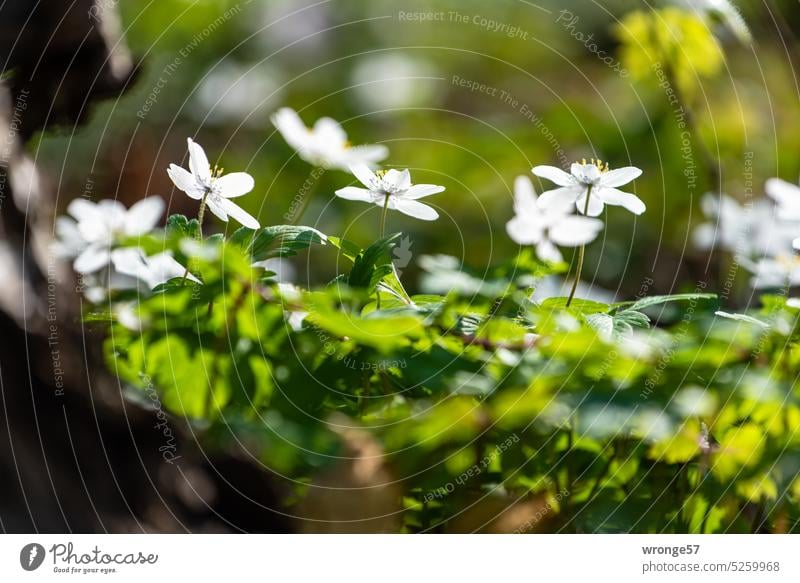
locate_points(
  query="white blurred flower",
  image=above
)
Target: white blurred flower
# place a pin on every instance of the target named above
(594, 180)
(744, 230)
(774, 272)
(550, 226)
(231, 91)
(153, 270)
(325, 144)
(392, 188)
(213, 188)
(283, 269)
(393, 81)
(787, 196)
(92, 229)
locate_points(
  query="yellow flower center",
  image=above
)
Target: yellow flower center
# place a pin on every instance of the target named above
(602, 166)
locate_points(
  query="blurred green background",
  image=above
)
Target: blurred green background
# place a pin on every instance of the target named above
(215, 70)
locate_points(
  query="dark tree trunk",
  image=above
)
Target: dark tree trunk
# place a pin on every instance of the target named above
(74, 455)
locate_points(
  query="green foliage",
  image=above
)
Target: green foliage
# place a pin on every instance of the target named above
(622, 426)
(670, 41)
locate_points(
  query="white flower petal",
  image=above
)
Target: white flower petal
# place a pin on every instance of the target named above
(620, 176)
(366, 154)
(422, 190)
(787, 195)
(69, 242)
(291, 127)
(595, 205)
(82, 209)
(525, 201)
(92, 259)
(215, 206)
(143, 216)
(396, 181)
(575, 230)
(616, 197)
(553, 174)
(234, 210)
(234, 184)
(365, 175)
(198, 161)
(415, 209)
(585, 173)
(796, 243)
(524, 231)
(704, 236)
(129, 261)
(355, 193)
(556, 196)
(185, 181)
(329, 130)
(163, 267)
(546, 251)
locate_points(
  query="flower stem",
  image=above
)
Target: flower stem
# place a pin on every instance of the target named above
(383, 215)
(200, 215)
(382, 230)
(581, 253)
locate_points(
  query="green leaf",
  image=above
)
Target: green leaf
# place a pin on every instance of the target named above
(741, 318)
(179, 226)
(278, 240)
(373, 264)
(657, 300)
(578, 305)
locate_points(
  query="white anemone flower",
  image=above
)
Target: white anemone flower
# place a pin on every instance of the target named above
(548, 227)
(745, 230)
(774, 272)
(787, 196)
(153, 270)
(91, 229)
(392, 189)
(593, 180)
(214, 189)
(325, 144)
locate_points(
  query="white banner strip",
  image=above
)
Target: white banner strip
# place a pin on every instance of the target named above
(400, 558)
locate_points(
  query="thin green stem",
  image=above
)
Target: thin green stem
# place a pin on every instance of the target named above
(581, 253)
(382, 230)
(200, 214)
(383, 215)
